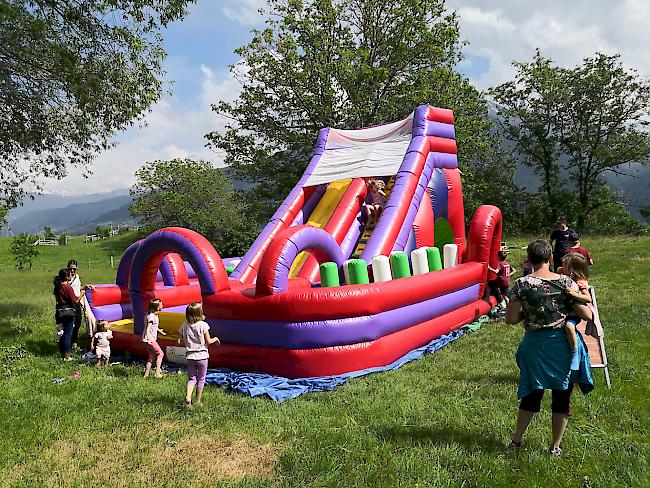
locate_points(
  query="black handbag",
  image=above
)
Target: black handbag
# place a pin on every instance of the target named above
(66, 312)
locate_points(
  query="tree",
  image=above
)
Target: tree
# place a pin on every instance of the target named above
(48, 235)
(103, 232)
(24, 250)
(527, 110)
(196, 195)
(582, 122)
(603, 125)
(72, 74)
(645, 213)
(344, 64)
(3, 216)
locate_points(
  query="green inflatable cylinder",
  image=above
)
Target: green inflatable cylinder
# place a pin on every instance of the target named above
(399, 262)
(229, 269)
(433, 256)
(358, 272)
(329, 275)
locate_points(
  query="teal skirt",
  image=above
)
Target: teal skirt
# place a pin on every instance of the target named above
(544, 361)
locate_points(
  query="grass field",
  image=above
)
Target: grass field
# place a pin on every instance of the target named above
(440, 421)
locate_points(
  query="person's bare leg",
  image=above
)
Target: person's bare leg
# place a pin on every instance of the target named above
(523, 420)
(571, 336)
(158, 365)
(199, 394)
(560, 421)
(147, 368)
(188, 395)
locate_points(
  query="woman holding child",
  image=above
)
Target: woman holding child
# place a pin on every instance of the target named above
(67, 300)
(544, 356)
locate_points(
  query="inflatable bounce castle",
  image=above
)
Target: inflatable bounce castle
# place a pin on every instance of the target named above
(323, 290)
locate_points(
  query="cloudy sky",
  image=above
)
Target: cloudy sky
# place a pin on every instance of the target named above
(201, 48)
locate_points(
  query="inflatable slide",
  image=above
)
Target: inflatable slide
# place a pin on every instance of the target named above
(321, 291)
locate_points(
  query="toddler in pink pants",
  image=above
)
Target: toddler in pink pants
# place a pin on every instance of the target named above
(195, 336)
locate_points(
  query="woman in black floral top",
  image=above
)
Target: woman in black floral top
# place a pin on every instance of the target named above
(543, 357)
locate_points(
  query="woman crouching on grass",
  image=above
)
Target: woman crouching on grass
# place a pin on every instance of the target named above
(544, 357)
(195, 335)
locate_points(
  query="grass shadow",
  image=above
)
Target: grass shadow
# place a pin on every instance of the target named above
(426, 436)
(503, 378)
(42, 347)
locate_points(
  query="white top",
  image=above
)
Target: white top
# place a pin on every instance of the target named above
(102, 338)
(152, 319)
(374, 151)
(75, 283)
(193, 336)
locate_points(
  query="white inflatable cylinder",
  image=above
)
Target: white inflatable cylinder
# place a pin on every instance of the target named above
(381, 269)
(419, 261)
(346, 273)
(450, 255)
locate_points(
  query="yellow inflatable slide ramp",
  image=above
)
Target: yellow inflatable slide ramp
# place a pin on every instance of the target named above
(321, 215)
(169, 322)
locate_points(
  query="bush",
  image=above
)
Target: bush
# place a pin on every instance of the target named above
(24, 250)
(613, 219)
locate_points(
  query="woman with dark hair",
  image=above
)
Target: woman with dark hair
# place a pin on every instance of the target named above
(544, 357)
(66, 302)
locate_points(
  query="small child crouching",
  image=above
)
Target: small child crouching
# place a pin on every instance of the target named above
(100, 343)
(195, 336)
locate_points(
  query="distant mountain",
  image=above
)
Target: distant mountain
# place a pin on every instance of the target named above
(79, 214)
(59, 200)
(75, 216)
(120, 215)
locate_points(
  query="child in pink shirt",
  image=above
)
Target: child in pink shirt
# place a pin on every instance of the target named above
(150, 337)
(195, 336)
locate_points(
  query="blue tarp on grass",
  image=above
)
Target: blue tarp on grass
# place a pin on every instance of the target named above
(280, 389)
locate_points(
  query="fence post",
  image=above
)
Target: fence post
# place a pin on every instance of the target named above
(111, 262)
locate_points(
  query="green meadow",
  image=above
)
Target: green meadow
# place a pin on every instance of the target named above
(440, 421)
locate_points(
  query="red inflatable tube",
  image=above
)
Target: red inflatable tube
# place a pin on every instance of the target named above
(298, 363)
(443, 115)
(484, 240)
(179, 272)
(339, 223)
(455, 210)
(423, 223)
(337, 302)
(108, 295)
(248, 275)
(178, 295)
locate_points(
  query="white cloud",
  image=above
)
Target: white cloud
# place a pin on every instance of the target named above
(564, 31)
(174, 128)
(246, 12)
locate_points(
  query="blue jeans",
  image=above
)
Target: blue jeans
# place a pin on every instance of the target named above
(65, 341)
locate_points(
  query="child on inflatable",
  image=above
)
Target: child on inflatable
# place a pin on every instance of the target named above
(150, 337)
(100, 343)
(195, 336)
(377, 200)
(576, 267)
(500, 287)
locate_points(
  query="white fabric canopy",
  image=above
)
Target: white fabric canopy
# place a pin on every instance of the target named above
(375, 151)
